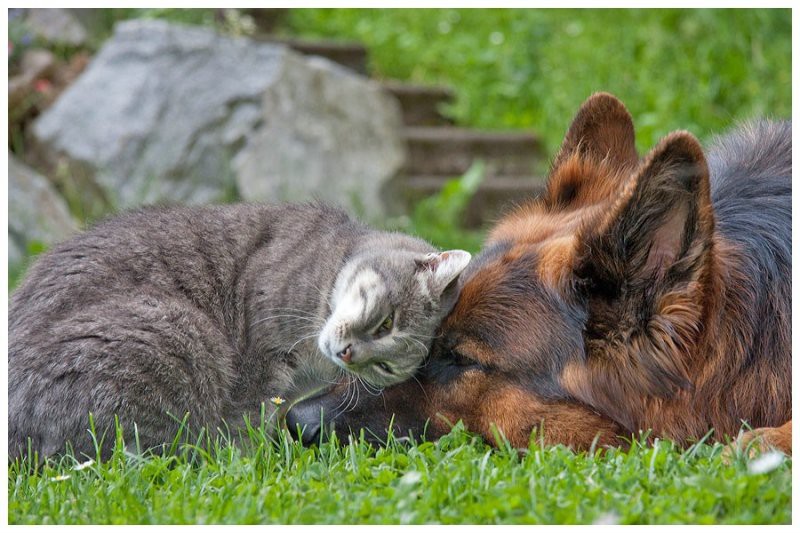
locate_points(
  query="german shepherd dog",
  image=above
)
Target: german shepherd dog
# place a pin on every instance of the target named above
(634, 294)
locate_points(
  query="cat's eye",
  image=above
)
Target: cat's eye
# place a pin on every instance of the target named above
(386, 368)
(386, 326)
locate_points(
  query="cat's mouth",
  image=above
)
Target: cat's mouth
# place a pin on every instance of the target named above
(375, 373)
(350, 367)
(354, 366)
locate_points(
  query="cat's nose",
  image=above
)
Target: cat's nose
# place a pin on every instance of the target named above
(346, 355)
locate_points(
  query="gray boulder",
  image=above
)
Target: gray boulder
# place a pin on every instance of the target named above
(57, 25)
(180, 114)
(37, 214)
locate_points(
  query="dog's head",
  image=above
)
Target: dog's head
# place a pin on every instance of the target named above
(582, 305)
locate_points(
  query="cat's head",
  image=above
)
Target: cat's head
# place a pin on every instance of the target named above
(385, 308)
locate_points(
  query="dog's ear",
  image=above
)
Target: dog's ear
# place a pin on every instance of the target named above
(662, 223)
(598, 152)
(602, 130)
(643, 269)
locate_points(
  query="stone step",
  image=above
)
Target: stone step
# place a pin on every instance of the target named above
(352, 55)
(265, 19)
(450, 151)
(493, 198)
(421, 103)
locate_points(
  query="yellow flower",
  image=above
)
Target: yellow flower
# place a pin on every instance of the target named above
(60, 478)
(277, 400)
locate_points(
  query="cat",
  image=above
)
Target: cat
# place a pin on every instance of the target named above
(212, 311)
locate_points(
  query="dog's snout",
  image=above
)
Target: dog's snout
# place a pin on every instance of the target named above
(305, 421)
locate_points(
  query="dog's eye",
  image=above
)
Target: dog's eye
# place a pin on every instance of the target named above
(456, 358)
(446, 363)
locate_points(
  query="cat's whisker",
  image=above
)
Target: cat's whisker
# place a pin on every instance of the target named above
(422, 344)
(420, 336)
(287, 313)
(323, 380)
(356, 394)
(289, 309)
(373, 390)
(415, 339)
(319, 290)
(345, 398)
(337, 376)
(427, 398)
(352, 394)
(408, 346)
(303, 286)
(341, 402)
(305, 329)
(295, 317)
(325, 298)
(364, 387)
(301, 340)
(271, 317)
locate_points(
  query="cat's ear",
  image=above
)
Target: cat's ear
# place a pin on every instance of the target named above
(440, 271)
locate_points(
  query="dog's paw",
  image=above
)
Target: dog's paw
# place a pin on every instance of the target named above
(761, 440)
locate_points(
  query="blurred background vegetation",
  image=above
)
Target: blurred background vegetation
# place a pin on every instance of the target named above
(694, 69)
(701, 70)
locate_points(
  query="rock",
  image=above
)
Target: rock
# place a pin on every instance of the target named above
(66, 73)
(179, 114)
(19, 87)
(37, 214)
(266, 19)
(326, 132)
(56, 25)
(35, 64)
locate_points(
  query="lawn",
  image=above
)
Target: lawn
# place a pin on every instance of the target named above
(456, 480)
(698, 70)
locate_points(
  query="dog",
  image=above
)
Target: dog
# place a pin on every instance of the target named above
(648, 294)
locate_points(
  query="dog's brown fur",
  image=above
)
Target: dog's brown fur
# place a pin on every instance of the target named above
(615, 303)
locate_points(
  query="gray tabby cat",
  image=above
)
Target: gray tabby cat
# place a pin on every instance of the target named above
(213, 311)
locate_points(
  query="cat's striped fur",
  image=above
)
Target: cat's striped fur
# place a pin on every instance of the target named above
(211, 311)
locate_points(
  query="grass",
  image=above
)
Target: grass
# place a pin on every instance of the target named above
(456, 480)
(437, 217)
(699, 70)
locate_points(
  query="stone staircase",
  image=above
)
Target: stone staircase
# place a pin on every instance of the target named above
(438, 151)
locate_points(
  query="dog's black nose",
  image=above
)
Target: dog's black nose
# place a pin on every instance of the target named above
(304, 422)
